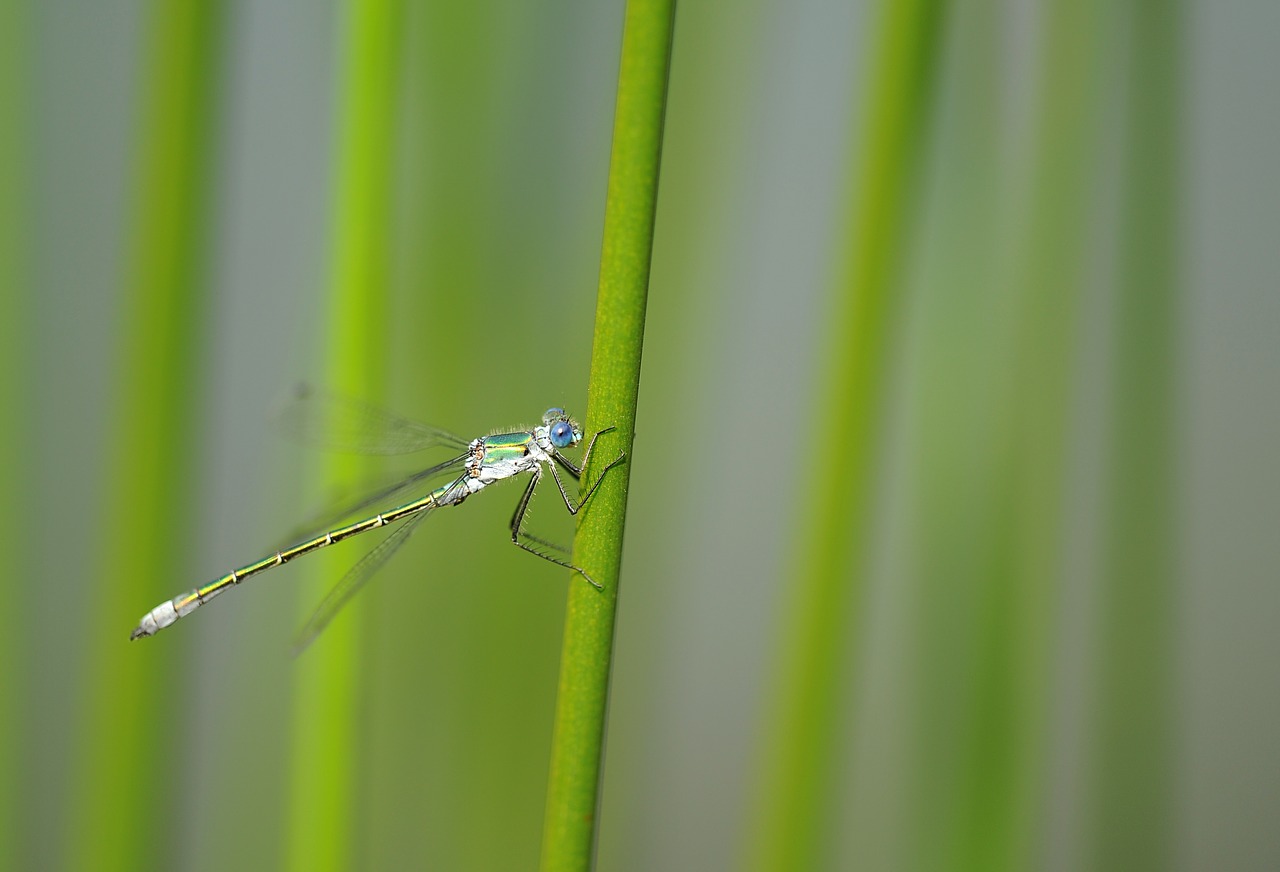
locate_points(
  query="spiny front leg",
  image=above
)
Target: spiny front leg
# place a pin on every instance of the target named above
(586, 455)
(517, 531)
(577, 474)
(572, 468)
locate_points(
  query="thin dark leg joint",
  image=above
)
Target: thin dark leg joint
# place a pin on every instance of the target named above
(517, 531)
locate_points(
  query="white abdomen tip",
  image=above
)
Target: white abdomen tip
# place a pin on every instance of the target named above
(154, 621)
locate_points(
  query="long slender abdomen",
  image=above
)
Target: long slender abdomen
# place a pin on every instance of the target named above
(184, 604)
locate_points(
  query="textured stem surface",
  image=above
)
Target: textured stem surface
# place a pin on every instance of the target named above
(581, 705)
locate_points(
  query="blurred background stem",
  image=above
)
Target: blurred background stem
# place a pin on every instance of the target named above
(990, 585)
(587, 654)
(16, 437)
(326, 756)
(122, 804)
(1134, 767)
(794, 804)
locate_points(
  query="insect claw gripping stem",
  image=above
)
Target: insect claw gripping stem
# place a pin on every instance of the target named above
(517, 519)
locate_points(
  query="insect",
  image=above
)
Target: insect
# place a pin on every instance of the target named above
(480, 463)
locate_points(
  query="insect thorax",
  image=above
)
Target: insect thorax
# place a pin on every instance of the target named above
(502, 455)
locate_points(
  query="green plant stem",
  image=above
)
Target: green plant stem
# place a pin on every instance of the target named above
(991, 573)
(793, 821)
(16, 438)
(325, 764)
(1132, 823)
(577, 744)
(121, 798)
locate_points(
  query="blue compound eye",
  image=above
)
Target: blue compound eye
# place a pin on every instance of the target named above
(555, 413)
(561, 434)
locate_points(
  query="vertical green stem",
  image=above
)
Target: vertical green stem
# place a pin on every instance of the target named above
(325, 761)
(993, 570)
(794, 821)
(128, 742)
(1133, 814)
(15, 436)
(586, 658)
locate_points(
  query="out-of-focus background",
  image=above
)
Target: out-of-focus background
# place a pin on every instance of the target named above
(953, 529)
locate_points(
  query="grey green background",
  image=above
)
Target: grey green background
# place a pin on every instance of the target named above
(964, 670)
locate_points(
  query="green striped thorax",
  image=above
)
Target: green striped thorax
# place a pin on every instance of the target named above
(502, 455)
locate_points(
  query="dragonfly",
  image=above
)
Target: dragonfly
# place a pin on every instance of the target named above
(353, 425)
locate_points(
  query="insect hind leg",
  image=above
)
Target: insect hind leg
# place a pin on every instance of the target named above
(518, 534)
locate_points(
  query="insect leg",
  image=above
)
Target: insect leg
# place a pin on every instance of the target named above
(575, 472)
(517, 531)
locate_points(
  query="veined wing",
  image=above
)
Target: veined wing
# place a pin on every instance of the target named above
(355, 579)
(321, 418)
(388, 496)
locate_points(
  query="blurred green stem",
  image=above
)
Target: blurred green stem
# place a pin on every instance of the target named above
(121, 801)
(15, 436)
(992, 555)
(586, 658)
(325, 758)
(1134, 812)
(793, 823)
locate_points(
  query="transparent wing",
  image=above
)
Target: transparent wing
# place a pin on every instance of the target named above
(314, 416)
(387, 495)
(351, 583)
(355, 579)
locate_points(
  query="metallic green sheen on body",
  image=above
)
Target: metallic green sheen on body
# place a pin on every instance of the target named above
(506, 446)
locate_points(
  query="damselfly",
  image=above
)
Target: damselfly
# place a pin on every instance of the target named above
(480, 463)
